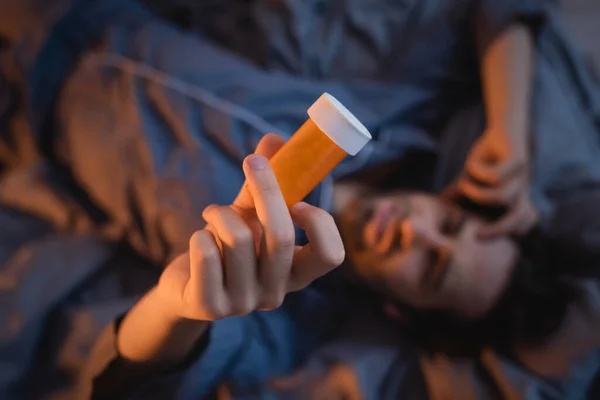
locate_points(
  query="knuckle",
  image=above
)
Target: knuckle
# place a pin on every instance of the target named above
(216, 310)
(335, 255)
(242, 237)
(205, 249)
(197, 238)
(272, 301)
(265, 184)
(244, 305)
(285, 238)
(222, 212)
(208, 255)
(297, 285)
(218, 209)
(210, 209)
(270, 188)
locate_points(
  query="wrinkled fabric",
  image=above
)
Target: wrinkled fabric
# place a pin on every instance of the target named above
(437, 376)
(142, 125)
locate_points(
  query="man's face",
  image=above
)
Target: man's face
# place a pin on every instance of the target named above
(424, 251)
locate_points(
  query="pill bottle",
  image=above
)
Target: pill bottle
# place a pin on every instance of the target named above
(329, 135)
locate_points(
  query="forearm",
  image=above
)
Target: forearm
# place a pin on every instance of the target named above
(248, 349)
(507, 76)
(151, 338)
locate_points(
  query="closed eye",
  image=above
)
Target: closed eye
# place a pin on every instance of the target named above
(452, 224)
(436, 268)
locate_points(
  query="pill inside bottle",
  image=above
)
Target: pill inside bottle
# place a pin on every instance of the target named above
(329, 135)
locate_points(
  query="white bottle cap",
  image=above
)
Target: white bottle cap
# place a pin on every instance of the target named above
(343, 128)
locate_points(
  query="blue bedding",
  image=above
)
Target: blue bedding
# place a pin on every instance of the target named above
(131, 126)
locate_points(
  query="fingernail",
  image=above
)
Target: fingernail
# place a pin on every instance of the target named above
(257, 162)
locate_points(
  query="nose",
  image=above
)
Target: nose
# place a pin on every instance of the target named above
(422, 229)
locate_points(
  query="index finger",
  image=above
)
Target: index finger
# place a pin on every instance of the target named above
(503, 195)
(492, 174)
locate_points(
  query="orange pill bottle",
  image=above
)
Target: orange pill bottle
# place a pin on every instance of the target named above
(329, 135)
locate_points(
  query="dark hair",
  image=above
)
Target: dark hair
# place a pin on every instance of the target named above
(414, 171)
(531, 309)
(533, 305)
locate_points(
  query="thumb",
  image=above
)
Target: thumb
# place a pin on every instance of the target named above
(267, 147)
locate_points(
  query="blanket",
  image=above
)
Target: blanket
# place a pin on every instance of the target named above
(126, 129)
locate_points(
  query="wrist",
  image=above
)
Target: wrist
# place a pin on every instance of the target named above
(168, 312)
(167, 336)
(513, 127)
